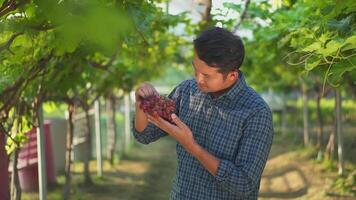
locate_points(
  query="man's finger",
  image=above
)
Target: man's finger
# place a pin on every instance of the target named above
(179, 122)
(152, 92)
(163, 122)
(142, 93)
(172, 129)
(149, 120)
(158, 123)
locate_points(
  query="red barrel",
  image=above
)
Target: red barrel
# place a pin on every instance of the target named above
(4, 165)
(28, 163)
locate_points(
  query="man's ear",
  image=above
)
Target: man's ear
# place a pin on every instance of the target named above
(233, 75)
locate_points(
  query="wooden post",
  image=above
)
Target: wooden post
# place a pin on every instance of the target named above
(98, 139)
(127, 122)
(340, 139)
(305, 114)
(41, 155)
(284, 120)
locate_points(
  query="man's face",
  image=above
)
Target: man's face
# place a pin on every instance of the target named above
(209, 79)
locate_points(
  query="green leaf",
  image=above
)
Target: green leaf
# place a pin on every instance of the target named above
(312, 62)
(327, 9)
(233, 6)
(258, 10)
(325, 37)
(313, 47)
(350, 43)
(247, 25)
(25, 127)
(10, 146)
(338, 70)
(343, 25)
(330, 49)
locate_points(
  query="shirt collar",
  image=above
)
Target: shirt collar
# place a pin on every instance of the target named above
(235, 89)
(230, 94)
(239, 85)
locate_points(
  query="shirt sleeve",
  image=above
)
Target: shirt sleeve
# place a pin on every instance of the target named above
(243, 175)
(152, 133)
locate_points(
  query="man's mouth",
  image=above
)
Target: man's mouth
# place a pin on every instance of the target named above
(201, 86)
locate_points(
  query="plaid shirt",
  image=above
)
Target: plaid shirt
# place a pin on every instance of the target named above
(236, 127)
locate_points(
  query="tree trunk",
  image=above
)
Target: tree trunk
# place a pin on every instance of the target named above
(340, 139)
(15, 183)
(206, 14)
(320, 127)
(330, 147)
(4, 166)
(69, 145)
(305, 114)
(111, 123)
(329, 150)
(242, 16)
(87, 157)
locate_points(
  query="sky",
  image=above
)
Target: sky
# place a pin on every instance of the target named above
(179, 6)
(193, 8)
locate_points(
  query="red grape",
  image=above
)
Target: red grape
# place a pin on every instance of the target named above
(158, 105)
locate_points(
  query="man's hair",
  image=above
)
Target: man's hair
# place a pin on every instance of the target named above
(220, 48)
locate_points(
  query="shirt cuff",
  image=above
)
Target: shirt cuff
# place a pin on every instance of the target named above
(143, 136)
(224, 168)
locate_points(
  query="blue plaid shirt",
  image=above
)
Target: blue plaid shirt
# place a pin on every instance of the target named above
(236, 127)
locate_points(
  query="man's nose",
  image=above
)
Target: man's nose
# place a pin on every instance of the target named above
(199, 78)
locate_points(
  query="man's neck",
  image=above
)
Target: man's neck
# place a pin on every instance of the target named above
(215, 95)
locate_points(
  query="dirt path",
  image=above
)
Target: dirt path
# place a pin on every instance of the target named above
(147, 173)
(293, 174)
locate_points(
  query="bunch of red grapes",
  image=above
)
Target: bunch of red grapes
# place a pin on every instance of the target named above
(158, 105)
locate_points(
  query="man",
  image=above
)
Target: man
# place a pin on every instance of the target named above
(223, 127)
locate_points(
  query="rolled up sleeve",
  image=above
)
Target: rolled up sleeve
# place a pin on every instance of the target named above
(150, 134)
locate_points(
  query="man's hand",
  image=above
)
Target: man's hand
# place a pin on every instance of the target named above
(181, 132)
(184, 136)
(143, 91)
